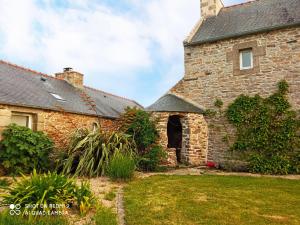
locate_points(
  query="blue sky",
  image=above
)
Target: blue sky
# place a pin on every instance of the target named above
(131, 48)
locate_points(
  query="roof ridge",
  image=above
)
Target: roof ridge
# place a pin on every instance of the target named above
(240, 4)
(104, 92)
(28, 69)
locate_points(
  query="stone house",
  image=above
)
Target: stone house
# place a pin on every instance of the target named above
(55, 104)
(241, 49)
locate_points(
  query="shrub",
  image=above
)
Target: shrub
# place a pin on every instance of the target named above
(150, 161)
(46, 189)
(138, 124)
(90, 152)
(4, 183)
(295, 161)
(272, 165)
(268, 129)
(22, 150)
(121, 166)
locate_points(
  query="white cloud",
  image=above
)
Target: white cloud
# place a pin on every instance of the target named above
(112, 48)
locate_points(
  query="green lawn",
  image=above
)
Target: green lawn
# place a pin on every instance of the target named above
(191, 200)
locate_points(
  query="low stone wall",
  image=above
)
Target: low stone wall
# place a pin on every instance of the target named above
(194, 137)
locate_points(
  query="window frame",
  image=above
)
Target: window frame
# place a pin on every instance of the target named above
(241, 59)
(29, 116)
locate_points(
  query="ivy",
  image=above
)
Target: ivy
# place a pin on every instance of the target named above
(267, 127)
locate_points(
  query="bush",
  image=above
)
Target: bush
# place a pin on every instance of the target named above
(150, 161)
(90, 152)
(272, 165)
(268, 129)
(295, 161)
(4, 183)
(22, 150)
(121, 166)
(46, 189)
(138, 124)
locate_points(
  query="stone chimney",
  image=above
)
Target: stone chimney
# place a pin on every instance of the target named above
(210, 7)
(71, 76)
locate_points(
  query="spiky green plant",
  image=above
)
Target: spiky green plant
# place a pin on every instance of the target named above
(46, 189)
(90, 151)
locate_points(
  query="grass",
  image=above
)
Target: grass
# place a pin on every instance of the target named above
(121, 167)
(110, 196)
(6, 219)
(4, 183)
(192, 200)
(105, 216)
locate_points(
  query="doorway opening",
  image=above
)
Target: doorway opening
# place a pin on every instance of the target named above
(175, 135)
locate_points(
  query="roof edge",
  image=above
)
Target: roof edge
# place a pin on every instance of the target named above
(57, 110)
(237, 35)
(193, 32)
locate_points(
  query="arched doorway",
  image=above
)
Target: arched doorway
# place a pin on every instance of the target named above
(175, 135)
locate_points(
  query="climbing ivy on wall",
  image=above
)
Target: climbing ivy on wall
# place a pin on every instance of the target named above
(267, 128)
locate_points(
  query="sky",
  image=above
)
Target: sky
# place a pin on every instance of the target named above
(132, 48)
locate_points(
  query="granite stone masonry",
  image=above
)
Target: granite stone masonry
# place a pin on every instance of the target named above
(212, 72)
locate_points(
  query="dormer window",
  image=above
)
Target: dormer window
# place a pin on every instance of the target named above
(58, 97)
(246, 59)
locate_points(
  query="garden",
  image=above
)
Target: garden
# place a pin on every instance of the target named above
(118, 177)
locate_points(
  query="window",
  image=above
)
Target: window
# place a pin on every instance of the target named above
(246, 59)
(58, 97)
(22, 119)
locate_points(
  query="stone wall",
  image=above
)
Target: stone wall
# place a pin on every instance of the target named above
(211, 72)
(58, 125)
(194, 137)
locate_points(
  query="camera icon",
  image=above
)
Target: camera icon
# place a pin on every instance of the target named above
(15, 209)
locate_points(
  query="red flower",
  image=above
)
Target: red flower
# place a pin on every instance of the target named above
(211, 164)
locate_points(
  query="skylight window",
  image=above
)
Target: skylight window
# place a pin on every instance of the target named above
(58, 97)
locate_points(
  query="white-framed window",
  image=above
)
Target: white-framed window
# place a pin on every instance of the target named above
(58, 97)
(22, 119)
(246, 59)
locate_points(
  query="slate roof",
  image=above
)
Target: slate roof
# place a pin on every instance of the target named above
(247, 18)
(24, 87)
(173, 103)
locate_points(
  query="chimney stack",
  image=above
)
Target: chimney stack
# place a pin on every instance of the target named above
(72, 77)
(210, 7)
